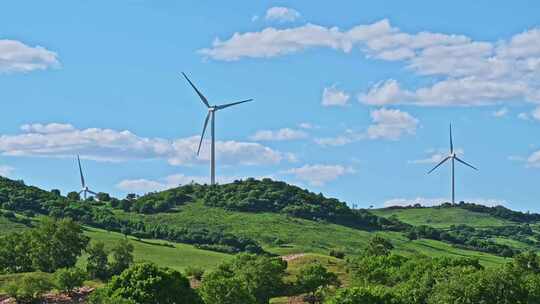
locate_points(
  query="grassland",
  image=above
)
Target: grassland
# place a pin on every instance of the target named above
(282, 234)
(442, 217)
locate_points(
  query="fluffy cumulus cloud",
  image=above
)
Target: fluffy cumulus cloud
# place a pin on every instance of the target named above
(279, 135)
(391, 124)
(319, 175)
(465, 72)
(64, 140)
(282, 14)
(334, 97)
(147, 185)
(16, 56)
(387, 124)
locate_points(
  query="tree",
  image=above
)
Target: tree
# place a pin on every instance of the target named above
(97, 264)
(262, 275)
(122, 256)
(527, 261)
(56, 192)
(67, 279)
(362, 295)
(103, 197)
(29, 288)
(57, 244)
(314, 277)
(147, 283)
(73, 196)
(222, 287)
(15, 253)
(378, 246)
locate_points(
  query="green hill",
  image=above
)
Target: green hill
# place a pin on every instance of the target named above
(205, 224)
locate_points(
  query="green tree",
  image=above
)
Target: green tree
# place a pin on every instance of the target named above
(57, 244)
(378, 246)
(67, 279)
(73, 196)
(149, 284)
(527, 261)
(15, 253)
(97, 263)
(312, 278)
(262, 275)
(223, 287)
(363, 295)
(29, 288)
(122, 256)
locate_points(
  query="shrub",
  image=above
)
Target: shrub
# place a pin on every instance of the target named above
(195, 272)
(67, 279)
(29, 288)
(337, 254)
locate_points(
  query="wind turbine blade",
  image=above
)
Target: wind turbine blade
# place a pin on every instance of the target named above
(232, 104)
(203, 131)
(92, 192)
(465, 163)
(451, 140)
(204, 100)
(80, 171)
(81, 192)
(439, 164)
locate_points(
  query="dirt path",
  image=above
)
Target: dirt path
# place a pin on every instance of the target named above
(292, 257)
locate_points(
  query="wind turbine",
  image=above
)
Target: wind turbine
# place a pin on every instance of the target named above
(85, 190)
(453, 157)
(212, 109)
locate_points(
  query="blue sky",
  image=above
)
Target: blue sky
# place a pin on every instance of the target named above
(351, 99)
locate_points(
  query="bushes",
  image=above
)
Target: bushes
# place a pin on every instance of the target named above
(68, 279)
(50, 246)
(29, 288)
(98, 265)
(148, 284)
(363, 295)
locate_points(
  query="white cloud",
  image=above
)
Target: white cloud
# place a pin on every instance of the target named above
(348, 137)
(435, 156)
(6, 170)
(146, 185)
(386, 124)
(319, 175)
(282, 14)
(271, 42)
(536, 113)
(334, 97)
(428, 202)
(464, 72)
(524, 116)
(307, 126)
(279, 135)
(16, 56)
(500, 113)
(391, 124)
(61, 140)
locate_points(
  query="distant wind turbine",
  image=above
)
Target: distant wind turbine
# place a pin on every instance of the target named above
(452, 156)
(85, 190)
(211, 115)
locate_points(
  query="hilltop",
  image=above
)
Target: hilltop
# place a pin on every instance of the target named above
(278, 218)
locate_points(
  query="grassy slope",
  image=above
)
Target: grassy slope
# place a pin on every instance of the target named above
(442, 217)
(299, 235)
(163, 253)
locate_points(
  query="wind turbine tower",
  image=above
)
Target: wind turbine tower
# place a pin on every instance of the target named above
(453, 157)
(212, 109)
(85, 190)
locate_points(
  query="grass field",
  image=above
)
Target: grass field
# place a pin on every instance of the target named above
(442, 217)
(301, 236)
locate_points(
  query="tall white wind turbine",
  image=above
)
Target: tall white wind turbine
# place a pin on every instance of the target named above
(453, 157)
(85, 190)
(212, 109)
